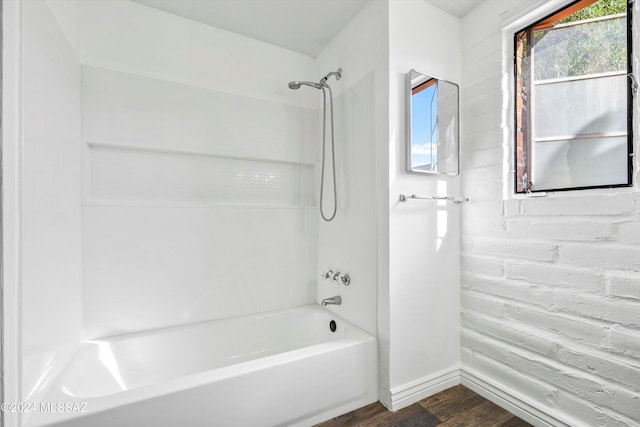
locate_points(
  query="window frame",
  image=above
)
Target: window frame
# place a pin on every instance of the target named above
(631, 85)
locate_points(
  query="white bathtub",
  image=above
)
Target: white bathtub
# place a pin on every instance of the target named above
(280, 368)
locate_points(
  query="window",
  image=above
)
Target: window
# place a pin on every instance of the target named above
(573, 99)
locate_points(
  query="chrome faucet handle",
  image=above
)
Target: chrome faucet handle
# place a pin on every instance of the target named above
(336, 276)
(345, 279)
(328, 275)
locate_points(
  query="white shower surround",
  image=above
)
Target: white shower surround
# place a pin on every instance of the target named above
(194, 202)
(142, 266)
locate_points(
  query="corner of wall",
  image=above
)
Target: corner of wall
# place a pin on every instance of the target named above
(51, 278)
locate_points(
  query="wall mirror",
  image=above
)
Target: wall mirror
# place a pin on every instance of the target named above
(433, 125)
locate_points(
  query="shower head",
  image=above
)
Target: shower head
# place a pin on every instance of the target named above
(322, 83)
(296, 85)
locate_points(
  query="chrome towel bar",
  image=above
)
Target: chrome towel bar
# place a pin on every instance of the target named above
(404, 198)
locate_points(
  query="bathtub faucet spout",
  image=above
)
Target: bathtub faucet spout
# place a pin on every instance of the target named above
(337, 300)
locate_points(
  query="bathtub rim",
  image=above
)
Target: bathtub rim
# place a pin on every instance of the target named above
(353, 336)
(194, 325)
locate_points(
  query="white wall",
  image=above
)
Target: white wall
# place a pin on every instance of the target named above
(551, 286)
(424, 236)
(199, 168)
(51, 293)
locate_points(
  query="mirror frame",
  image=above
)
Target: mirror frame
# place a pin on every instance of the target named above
(409, 87)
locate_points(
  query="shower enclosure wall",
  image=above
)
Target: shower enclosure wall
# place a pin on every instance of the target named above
(158, 188)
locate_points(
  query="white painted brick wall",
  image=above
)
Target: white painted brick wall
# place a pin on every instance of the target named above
(510, 289)
(559, 229)
(487, 219)
(618, 368)
(628, 232)
(624, 341)
(602, 256)
(584, 279)
(625, 285)
(550, 286)
(557, 402)
(511, 248)
(485, 266)
(580, 205)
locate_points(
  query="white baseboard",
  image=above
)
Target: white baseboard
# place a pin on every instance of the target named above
(414, 391)
(410, 393)
(508, 400)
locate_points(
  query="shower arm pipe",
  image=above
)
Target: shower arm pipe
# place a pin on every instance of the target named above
(337, 73)
(404, 198)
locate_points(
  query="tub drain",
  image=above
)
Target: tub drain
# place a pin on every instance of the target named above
(332, 326)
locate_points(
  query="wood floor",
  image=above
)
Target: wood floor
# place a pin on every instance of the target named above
(455, 407)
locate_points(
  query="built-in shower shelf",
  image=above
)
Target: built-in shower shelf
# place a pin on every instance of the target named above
(129, 175)
(129, 147)
(95, 203)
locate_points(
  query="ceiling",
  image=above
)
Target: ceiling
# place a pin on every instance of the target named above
(304, 26)
(457, 8)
